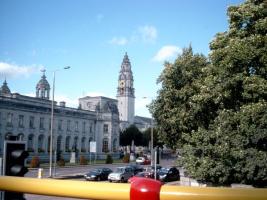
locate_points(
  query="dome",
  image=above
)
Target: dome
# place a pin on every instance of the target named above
(5, 89)
(43, 83)
(43, 88)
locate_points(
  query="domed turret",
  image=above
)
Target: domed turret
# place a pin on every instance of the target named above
(43, 88)
(4, 90)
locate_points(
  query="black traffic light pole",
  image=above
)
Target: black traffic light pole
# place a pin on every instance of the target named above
(15, 155)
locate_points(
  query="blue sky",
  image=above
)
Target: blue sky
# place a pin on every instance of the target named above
(92, 37)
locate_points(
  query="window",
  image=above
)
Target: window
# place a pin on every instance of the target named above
(84, 124)
(76, 126)
(30, 143)
(67, 144)
(75, 144)
(9, 119)
(59, 141)
(105, 128)
(68, 125)
(114, 145)
(83, 145)
(105, 145)
(91, 128)
(60, 124)
(31, 122)
(21, 121)
(41, 143)
(41, 123)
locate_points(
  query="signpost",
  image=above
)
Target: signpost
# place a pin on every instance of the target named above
(92, 149)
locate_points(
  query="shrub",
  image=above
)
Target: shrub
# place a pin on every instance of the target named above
(83, 160)
(61, 162)
(109, 159)
(126, 158)
(35, 162)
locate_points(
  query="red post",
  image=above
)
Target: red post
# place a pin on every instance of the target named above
(145, 189)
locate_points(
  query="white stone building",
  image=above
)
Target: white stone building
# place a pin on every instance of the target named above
(29, 119)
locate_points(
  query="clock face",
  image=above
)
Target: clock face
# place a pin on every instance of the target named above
(122, 83)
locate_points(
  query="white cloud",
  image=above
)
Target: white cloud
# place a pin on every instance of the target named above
(148, 33)
(13, 70)
(118, 41)
(167, 52)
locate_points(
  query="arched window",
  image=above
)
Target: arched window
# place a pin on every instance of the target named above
(105, 145)
(30, 143)
(59, 141)
(67, 144)
(90, 140)
(75, 144)
(83, 145)
(41, 143)
(114, 145)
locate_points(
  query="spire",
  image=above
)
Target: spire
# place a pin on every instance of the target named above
(126, 64)
(4, 90)
(125, 84)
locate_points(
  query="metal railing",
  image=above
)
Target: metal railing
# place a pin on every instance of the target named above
(120, 191)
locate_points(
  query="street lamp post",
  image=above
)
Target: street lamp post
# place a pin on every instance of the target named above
(52, 125)
(151, 150)
(151, 137)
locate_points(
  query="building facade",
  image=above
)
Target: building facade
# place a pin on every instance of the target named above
(29, 119)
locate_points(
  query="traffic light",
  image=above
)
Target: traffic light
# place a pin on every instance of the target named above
(14, 164)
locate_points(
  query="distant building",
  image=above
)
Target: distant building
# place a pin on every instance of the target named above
(29, 119)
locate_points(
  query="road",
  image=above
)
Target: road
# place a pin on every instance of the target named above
(73, 171)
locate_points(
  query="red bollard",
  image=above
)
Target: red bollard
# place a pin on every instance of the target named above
(145, 189)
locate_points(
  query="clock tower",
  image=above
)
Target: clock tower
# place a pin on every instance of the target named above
(125, 93)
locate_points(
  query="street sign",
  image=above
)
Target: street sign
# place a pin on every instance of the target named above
(93, 147)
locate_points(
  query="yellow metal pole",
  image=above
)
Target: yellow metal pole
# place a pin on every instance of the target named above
(210, 193)
(119, 191)
(66, 188)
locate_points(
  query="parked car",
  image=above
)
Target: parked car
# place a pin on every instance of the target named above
(144, 175)
(98, 174)
(122, 174)
(143, 161)
(136, 168)
(169, 174)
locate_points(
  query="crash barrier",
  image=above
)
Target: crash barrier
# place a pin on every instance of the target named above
(139, 189)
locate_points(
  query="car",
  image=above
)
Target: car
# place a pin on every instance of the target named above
(98, 174)
(143, 161)
(145, 174)
(169, 174)
(122, 174)
(136, 168)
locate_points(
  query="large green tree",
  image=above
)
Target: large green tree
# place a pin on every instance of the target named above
(172, 108)
(232, 148)
(222, 124)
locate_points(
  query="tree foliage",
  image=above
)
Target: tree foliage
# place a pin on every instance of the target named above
(130, 134)
(172, 108)
(217, 111)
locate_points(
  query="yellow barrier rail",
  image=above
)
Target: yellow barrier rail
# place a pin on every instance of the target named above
(119, 191)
